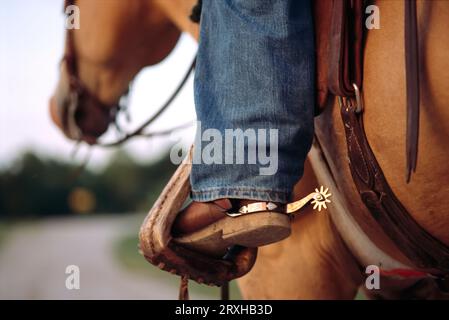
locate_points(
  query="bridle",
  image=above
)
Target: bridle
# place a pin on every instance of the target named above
(78, 91)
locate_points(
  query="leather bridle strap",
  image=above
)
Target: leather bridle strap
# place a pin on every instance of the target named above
(140, 130)
(412, 85)
(78, 91)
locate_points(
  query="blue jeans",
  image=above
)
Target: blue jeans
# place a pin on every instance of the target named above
(255, 72)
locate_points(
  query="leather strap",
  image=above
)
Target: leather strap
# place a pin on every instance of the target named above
(184, 289)
(425, 251)
(412, 86)
(346, 47)
(70, 113)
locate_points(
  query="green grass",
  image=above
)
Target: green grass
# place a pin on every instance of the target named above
(360, 296)
(129, 257)
(3, 233)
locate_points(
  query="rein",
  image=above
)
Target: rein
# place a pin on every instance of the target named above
(140, 130)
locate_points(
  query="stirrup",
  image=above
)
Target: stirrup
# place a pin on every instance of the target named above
(157, 247)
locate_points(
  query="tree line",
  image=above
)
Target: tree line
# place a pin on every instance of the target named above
(36, 186)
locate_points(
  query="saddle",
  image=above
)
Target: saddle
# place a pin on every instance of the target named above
(339, 27)
(338, 47)
(158, 248)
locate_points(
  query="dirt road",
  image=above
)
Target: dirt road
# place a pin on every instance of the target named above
(34, 258)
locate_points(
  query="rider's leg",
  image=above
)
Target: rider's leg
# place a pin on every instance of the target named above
(255, 72)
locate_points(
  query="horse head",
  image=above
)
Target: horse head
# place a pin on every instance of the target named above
(116, 39)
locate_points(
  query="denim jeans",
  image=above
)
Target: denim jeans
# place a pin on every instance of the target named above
(255, 70)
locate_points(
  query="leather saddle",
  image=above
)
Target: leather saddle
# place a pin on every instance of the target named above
(338, 47)
(339, 34)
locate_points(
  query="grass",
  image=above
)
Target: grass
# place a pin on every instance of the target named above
(3, 233)
(129, 257)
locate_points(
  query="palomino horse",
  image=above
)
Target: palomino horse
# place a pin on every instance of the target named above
(326, 255)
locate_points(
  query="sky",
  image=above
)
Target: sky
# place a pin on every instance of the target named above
(31, 46)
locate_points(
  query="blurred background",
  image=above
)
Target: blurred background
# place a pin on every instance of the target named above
(54, 211)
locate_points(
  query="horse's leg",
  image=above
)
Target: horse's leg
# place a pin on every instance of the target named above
(313, 263)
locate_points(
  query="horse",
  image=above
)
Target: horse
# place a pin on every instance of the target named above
(327, 254)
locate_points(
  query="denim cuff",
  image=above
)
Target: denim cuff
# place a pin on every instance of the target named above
(250, 193)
